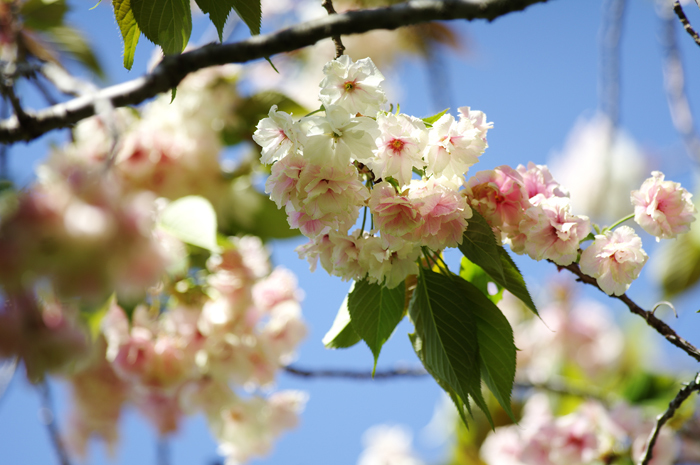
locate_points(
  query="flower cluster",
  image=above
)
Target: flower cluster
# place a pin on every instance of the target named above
(327, 168)
(591, 434)
(240, 325)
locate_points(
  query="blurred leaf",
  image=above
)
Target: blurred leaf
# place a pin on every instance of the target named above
(41, 15)
(375, 310)
(128, 28)
(255, 108)
(435, 117)
(167, 23)
(677, 264)
(446, 338)
(191, 219)
(342, 335)
(92, 316)
(72, 42)
(248, 211)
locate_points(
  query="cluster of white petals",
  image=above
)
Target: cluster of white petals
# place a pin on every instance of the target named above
(354, 157)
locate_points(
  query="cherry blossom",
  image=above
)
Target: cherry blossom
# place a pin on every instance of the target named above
(357, 87)
(663, 208)
(278, 136)
(400, 147)
(615, 259)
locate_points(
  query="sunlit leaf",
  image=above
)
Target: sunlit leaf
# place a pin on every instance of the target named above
(375, 310)
(128, 28)
(167, 23)
(191, 219)
(435, 117)
(341, 335)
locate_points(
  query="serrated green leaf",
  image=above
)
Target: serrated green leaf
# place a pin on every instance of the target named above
(167, 23)
(435, 117)
(41, 15)
(129, 29)
(496, 346)
(218, 10)
(191, 219)
(514, 281)
(449, 336)
(341, 335)
(479, 245)
(375, 311)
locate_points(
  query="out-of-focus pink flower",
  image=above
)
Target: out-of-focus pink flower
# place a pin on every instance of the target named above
(278, 287)
(357, 87)
(663, 208)
(388, 445)
(551, 231)
(615, 259)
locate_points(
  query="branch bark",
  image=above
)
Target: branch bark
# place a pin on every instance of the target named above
(660, 327)
(173, 69)
(356, 374)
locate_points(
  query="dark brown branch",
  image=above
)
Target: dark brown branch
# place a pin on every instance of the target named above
(682, 395)
(339, 47)
(173, 69)
(49, 419)
(356, 374)
(684, 21)
(660, 327)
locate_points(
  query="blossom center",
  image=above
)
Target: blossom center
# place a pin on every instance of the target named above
(350, 86)
(396, 145)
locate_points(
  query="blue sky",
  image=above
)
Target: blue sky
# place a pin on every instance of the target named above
(534, 74)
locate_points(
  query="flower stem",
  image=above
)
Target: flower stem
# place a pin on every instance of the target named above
(619, 222)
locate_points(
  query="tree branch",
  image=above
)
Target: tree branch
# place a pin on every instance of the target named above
(684, 21)
(339, 47)
(49, 419)
(173, 69)
(682, 395)
(660, 327)
(356, 374)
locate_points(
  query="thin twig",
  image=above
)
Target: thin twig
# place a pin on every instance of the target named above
(356, 374)
(173, 69)
(674, 83)
(163, 451)
(660, 327)
(682, 395)
(49, 419)
(339, 47)
(564, 389)
(684, 21)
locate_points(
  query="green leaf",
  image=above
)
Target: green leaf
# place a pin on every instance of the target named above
(167, 23)
(677, 265)
(245, 210)
(432, 119)
(448, 337)
(479, 245)
(341, 335)
(218, 10)
(92, 316)
(129, 29)
(72, 42)
(479, 278)
(192, 220)
(375, 310)
(496, 346)
(41, 15)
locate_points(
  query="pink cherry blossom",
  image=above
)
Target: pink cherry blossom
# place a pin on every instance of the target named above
(282, 183)
(538, 180)
(395, 215)
(552, 232)
(499, 195)
(453, 146)
(400, 147)
(325, 189)
(615, 259)
(663, 208)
